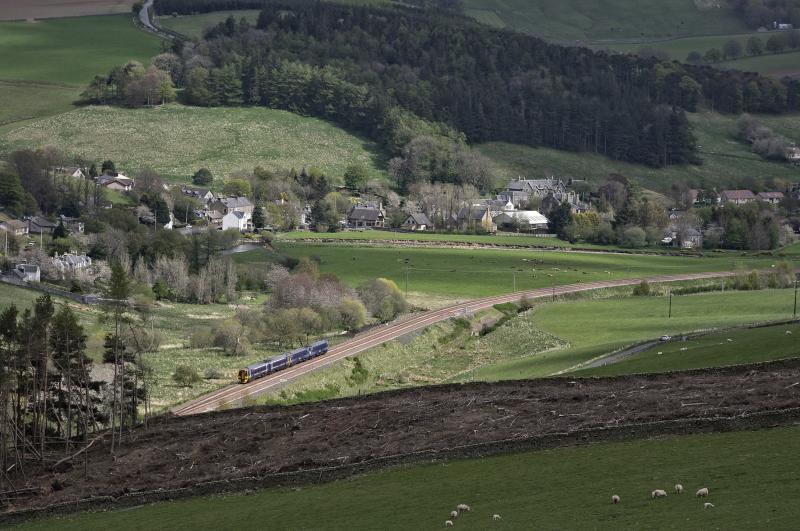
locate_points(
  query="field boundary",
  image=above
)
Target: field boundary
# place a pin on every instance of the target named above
(760, 420)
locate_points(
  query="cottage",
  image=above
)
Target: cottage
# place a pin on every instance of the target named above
(772, 198)
(237, 220)
(523, 220)
(69, 262)
(117, 182)
(15, 227)
(417, 221)
(28, 272)
(71, 171)
(369, 215)
(737, 197)
(691, 239)
(39, 225)
(793, 154)
(203, 194)
(225, 205)
(474, 216)
(520, 191)
(73, 225)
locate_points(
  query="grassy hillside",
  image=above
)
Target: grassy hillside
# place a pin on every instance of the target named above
(603, 326)
(194, 25)
(712, 350)
(582, 20)
(57, 58)
(726, 160)
(176, 140)
(751, 475)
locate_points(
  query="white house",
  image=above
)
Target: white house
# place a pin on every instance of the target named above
(526, 220)
(71, 262)
(236, 219)
(28, 272)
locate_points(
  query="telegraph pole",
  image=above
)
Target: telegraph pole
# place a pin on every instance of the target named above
(515, 280)
(406, 281)
(669, 315)
(794, 314)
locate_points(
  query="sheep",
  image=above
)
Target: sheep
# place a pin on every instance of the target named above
(708, 505)
(463, 507)
(658, 493)
(496, 517)
(448, 523)
(615, 499)
(702, 493)
(788, 332)
(679, 489)
(454, 514)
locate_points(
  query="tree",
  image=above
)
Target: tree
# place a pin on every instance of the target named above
(108, 168)
(383, 298)
(560, 218)
(755, 46)
(634, 237)
(694, 57)
(714, 55)
(11, 192)
(258, 217)
(355, 176)
(185, 376)
(237, 187)
(60, 231)
(197, 92)
(116, 301)
(732, 49)
(777, 43)
(202, 177)
(353, 313)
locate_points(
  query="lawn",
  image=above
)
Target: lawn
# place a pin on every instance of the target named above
(176, 140)
(602, 326)
(713, 350)
(193, 26)
(751, 476)
(726, 161)
(472, 273)
(57, 58)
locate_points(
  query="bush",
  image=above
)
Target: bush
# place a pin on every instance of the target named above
(634, 237)
(213, 374)
(642, 290)
(185, 376)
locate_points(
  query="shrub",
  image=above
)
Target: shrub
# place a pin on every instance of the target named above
(213, 374)
(634, 237)
(642, 290)
(185, 376)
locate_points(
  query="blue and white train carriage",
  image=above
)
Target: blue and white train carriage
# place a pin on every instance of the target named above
(287, 359)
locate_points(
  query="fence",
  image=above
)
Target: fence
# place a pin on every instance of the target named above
(77, 297)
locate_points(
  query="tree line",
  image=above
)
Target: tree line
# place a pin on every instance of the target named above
(765, 13)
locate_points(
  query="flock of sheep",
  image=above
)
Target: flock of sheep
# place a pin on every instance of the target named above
(660, 493)
(615, 499)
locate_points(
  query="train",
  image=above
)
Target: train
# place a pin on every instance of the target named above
(287, 359)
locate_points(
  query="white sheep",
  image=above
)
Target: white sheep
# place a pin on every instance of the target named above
(448, 523)
(788, 332)
(658, 493)
(702, 493)
(679, 489)
(463, 507)
(496, 517)
(708, 505)
(615, 499)
(453, 514)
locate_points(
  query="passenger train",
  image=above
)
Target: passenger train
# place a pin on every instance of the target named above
(263, 368)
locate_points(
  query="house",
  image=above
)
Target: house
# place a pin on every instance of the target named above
(691, 239)
(238, 220)
(28, 272)
(555, 199)
(417, 221)
(782, 26)
(520, 191)
(71, 171)
(69, 262)
(793, 154)
(203, 194)
(473, 216)
(39, 225)
(366, 215)
(214, 217)
(117, 182)
(522, 220)
(15, 227)
(225, 205)
(73, 225)
(147, 217)
(772, 198)
(737, 197)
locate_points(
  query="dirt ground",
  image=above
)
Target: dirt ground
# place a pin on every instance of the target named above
(33, 9)
(182, 451)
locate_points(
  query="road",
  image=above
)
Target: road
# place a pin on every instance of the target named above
(144, 19)
(236, 393)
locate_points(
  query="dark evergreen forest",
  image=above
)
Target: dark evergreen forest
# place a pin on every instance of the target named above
(394, 73)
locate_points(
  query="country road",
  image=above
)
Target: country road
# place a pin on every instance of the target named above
(144, 19)
(235, 393)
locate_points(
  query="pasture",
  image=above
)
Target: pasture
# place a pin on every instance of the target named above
(176, 140)
(594, 328)
(45, 65)
(726, 160)
(193, 26)
(472, 273)
(751, 476)
(732, 347)
(34, 9)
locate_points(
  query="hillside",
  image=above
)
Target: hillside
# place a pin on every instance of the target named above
(176, 140)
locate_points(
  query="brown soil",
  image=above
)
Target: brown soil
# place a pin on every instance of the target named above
(184, 451)
(32, 9)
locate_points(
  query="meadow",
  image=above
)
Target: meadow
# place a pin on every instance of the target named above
(732, 347)
(45, 65)
(472, 273)
(726, 160)
(751, 476)
(176, 140)
(193, 26)
(594, 328)
(27, 9)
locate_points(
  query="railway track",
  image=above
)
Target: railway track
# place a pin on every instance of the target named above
(235, 393)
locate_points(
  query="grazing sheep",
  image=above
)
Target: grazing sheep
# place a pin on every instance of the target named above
(448, 523)
(788, 332)
(729, 340)
(708, 505)
(463, 507)
(615, 499)
(453, 514)
(658, 493)
(702, 493)
(679, 489)
(496, 517)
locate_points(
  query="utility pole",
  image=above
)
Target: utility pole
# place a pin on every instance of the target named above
(794, 314)
(669, 316)
(515, 281)
(406, 281)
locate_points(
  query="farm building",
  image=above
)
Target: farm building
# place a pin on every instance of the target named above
(28, 272)
(737, 197)
(522, 220)
(771, 197)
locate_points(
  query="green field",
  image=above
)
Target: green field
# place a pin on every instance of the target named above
(582, 20)
(176, 141)
(56, 58)
(487, 239)
(751, 476)
(193, 25)
(713, 350)
(777, 65)
(725, 159)
(471, 273)
(602, 326)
